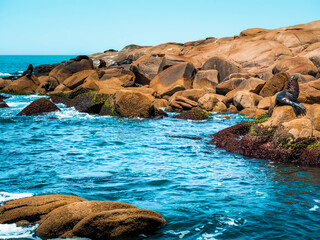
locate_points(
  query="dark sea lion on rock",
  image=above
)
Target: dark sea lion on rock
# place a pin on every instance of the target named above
(289, 96)
(126, 61)
(79, 58)
(48, 87)
(102, 63)
(28, 72)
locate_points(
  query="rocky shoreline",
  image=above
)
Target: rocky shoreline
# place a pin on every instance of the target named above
(243, 74)
(239, 74)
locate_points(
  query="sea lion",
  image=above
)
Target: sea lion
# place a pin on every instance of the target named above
(28, 72)
(102, 63)
(289, 96)
(48, 87)
(125, 61)
(79, 58)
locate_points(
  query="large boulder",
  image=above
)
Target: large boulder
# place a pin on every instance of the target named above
(33, 209)
(224, 67)
(105, 74)
(129, 103)
(63, 216)
(170, 60)
(245, 99)
(209, 100)
(275, 84)
(65, 69)
(42, 70)
(89, 102)
(229, 85)
(310, 92)
(4, 83)
(299, 128)
(23, 85)
(63, 219)
(294, 65)
(206, 79)
(78, 78)
(146, 68)
(118, 224)
(174, 79)
(39, 106)
(280, 115)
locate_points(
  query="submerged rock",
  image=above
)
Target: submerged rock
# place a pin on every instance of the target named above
(38, 107)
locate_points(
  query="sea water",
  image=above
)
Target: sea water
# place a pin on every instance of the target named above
(203, 192)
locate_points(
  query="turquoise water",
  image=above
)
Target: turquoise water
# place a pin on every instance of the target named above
(14, 65)
(203, 192)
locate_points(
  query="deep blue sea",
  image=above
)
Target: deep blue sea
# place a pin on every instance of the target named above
(203, 192)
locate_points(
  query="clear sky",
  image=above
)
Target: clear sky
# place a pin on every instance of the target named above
(89, 26)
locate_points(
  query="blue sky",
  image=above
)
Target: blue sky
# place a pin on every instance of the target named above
(89, 26)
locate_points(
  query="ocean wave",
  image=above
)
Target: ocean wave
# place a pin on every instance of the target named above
(73, 113)
(5, 196)
(5, 74)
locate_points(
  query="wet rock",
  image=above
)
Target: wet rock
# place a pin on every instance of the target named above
(118, 224)
(33, 209)
(186, 137)
(274, 85)
(174, 79)
(194, 114)
(90, 102)
(38, 107)
(63, 219)
(60, 99)
(3, 104)
(224, 67)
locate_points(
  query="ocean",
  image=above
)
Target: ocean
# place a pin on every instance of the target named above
(203, 192)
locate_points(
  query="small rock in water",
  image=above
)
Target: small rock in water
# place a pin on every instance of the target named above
(38, 107)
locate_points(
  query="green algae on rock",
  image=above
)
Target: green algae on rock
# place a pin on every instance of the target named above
(194, 114)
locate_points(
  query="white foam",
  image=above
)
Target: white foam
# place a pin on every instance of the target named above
(4, 74)
(5, 196)
(11, 231)
(180, 234)
(72, 113)
(314, 208)
(317, 201)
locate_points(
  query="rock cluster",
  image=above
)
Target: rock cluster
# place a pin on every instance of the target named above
(238, 73)
(64, 216)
